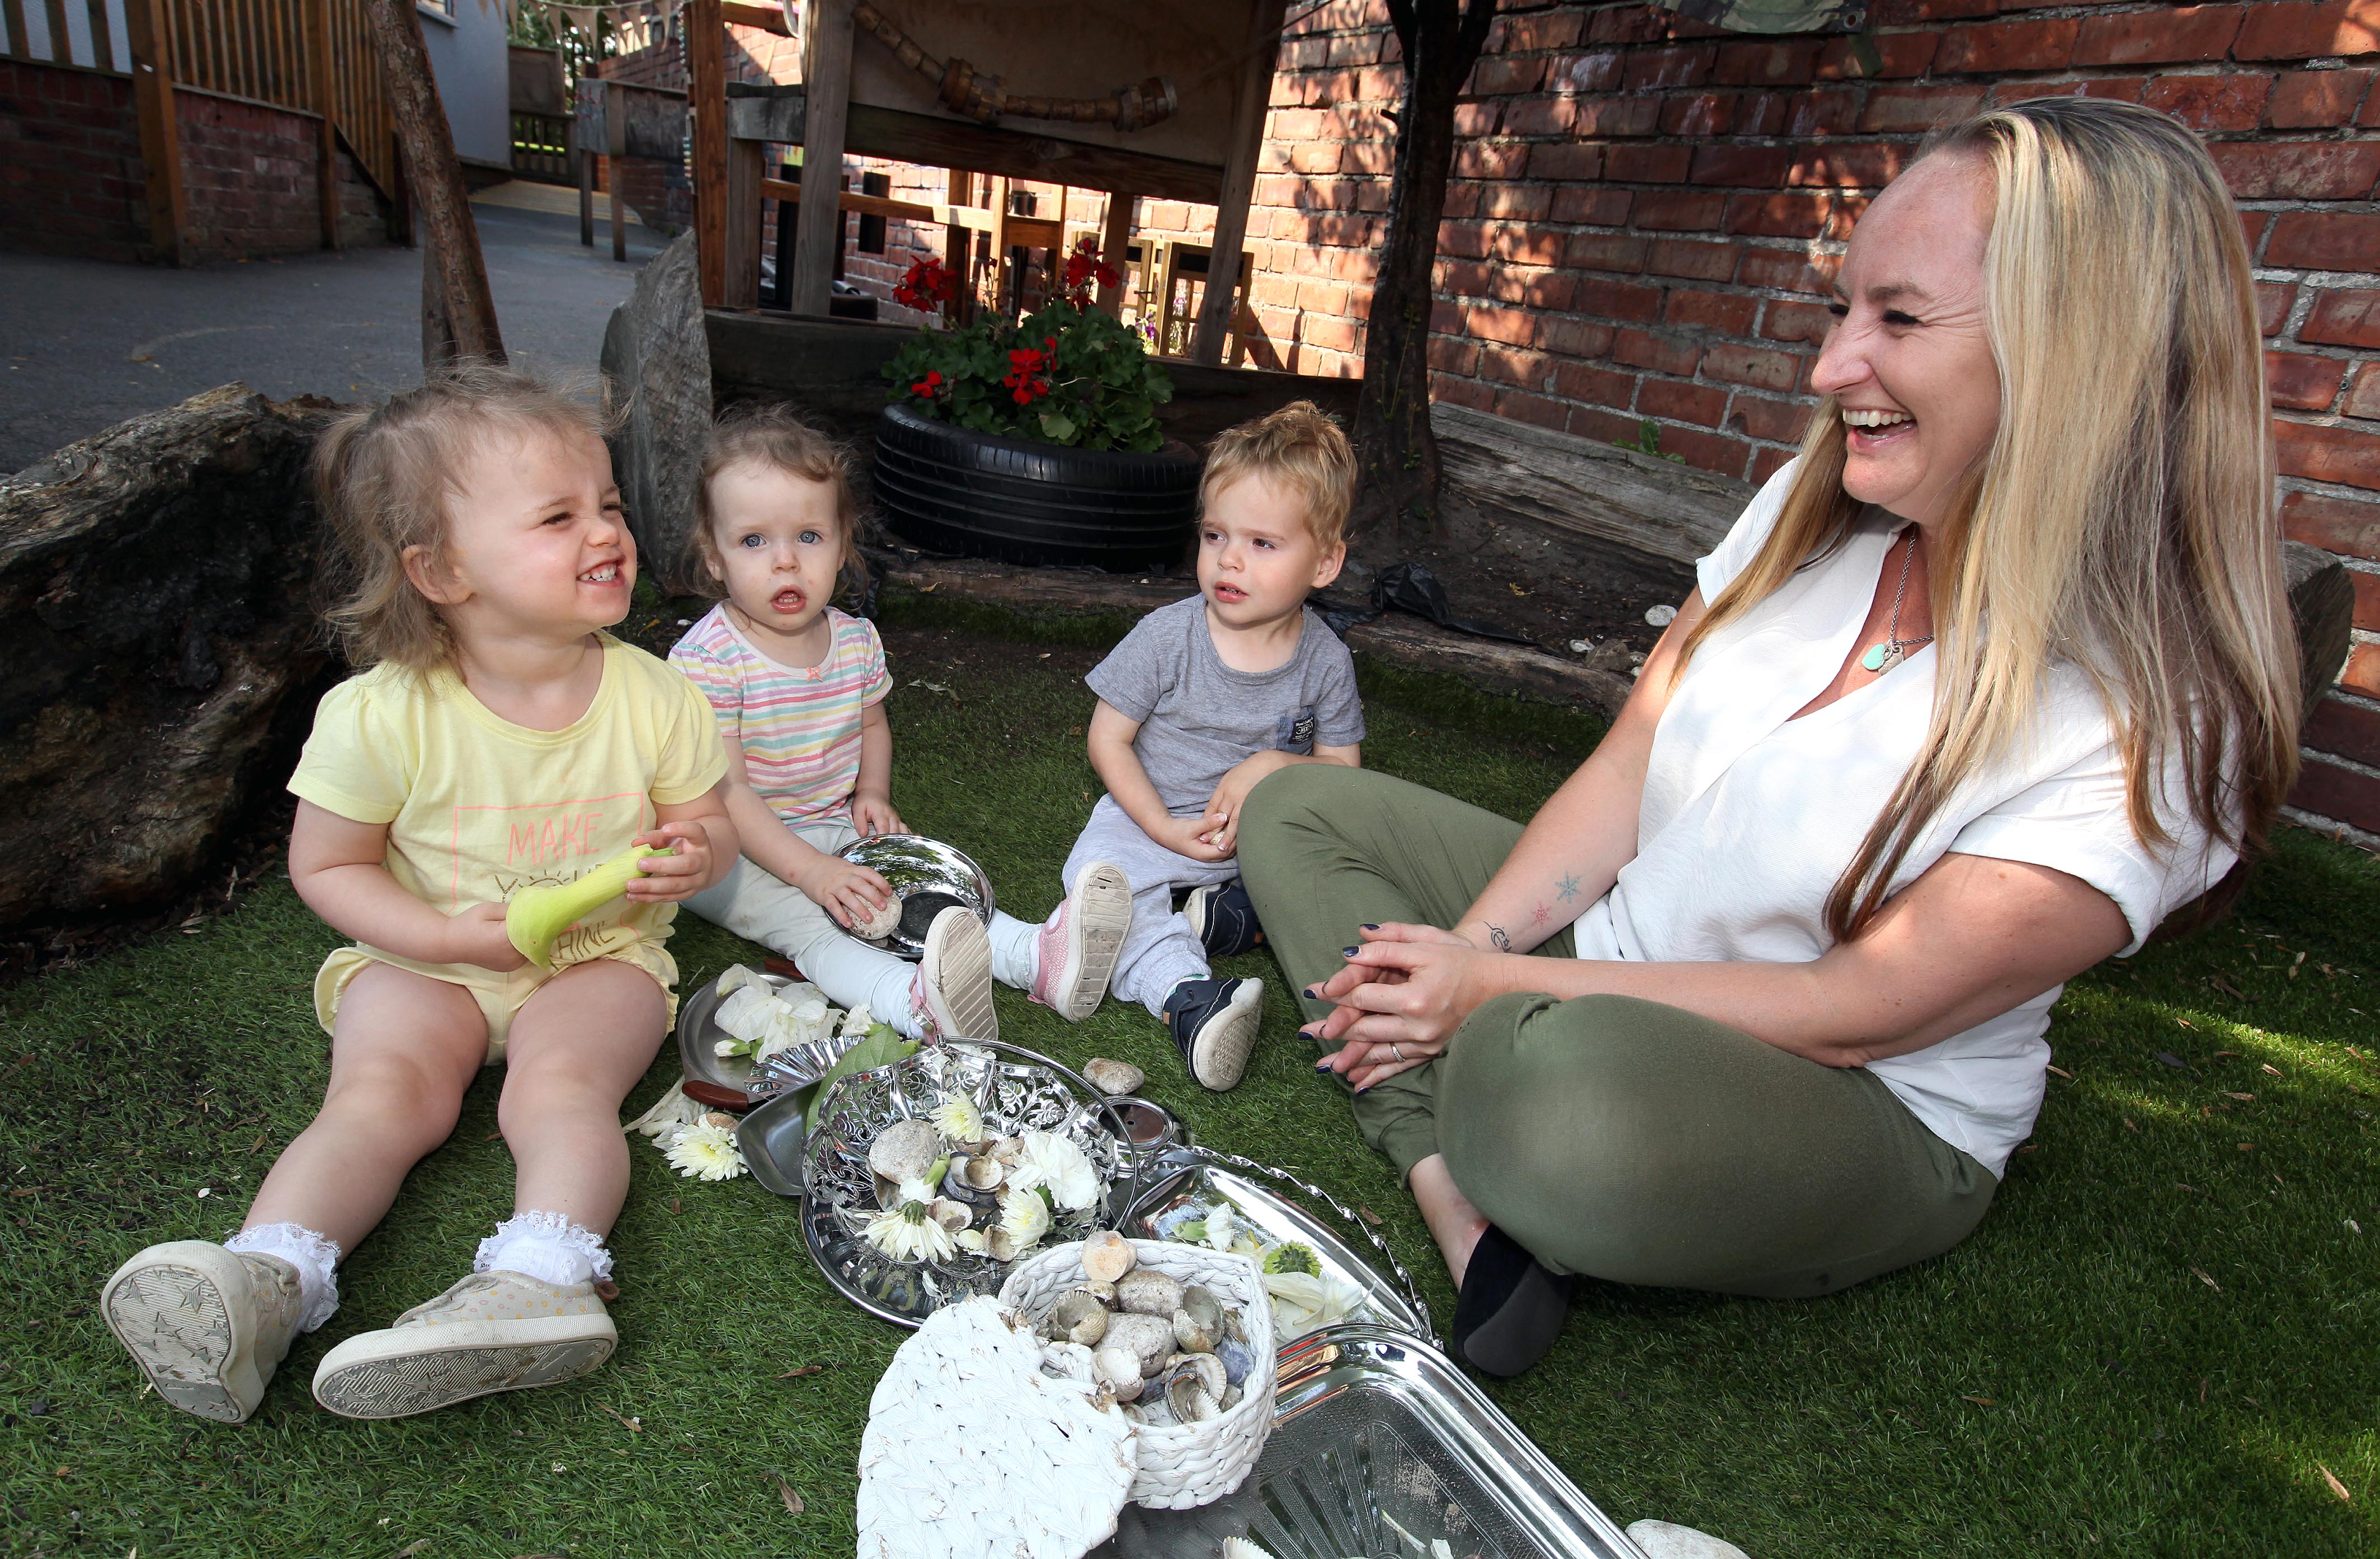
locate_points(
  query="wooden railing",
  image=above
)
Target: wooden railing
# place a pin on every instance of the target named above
(314, 56)
(541, 147)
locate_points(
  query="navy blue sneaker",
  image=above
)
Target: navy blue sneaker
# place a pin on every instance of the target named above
(1224, 920)
(1214, 1025)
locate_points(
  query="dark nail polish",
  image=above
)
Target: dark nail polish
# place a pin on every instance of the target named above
(1311, 994)
(1349, 951)
(1321, 1066)
(1371, 925)
(1365, 1089)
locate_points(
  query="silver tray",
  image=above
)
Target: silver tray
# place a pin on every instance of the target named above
(1015, 1089)
(1181, 1174)
(912, 863)
(698, 1034)
(1381, 1449)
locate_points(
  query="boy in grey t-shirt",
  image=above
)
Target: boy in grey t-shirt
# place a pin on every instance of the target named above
(1203, 699)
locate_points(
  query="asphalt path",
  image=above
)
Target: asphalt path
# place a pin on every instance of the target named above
(87, 344)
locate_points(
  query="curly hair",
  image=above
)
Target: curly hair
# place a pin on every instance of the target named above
(774, 437)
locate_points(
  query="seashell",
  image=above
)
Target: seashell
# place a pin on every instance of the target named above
(1078, 1318)
(1119, 1369)
(905, 1150)
(1198, 1324)
(1071, 1360)
(719, 1118)
(1145, 1336)
(1113, 1078)
(981, 1172)
(950, 1215)
(1103, 1291)
(1008, 1150)
(1237, 1360)
(1204, 1368)
(1189, 1400)
(1107, 1255)
(1149, 1292)
(1000, 1245)
(1229, 1399)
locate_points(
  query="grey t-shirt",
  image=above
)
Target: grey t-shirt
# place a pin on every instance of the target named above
(1198, 718)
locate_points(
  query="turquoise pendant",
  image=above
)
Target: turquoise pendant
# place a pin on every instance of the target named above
(1879, 657)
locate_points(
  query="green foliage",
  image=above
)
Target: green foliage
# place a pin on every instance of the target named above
(1067, 375)
(1647, 441)
(1293, 1257)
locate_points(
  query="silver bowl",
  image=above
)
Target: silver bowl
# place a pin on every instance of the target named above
(1017, 1091)
(699, 1034)
(911, 863)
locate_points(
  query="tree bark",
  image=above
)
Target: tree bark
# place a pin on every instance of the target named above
(458, 315)
(1396, 457)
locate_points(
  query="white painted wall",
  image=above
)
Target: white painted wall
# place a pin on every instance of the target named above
(467, 55)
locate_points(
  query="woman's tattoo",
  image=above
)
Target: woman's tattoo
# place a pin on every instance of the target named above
(1495, 934)
(1568, 888)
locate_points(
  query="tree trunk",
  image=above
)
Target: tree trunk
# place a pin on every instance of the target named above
(458, 316)
(1396, 458)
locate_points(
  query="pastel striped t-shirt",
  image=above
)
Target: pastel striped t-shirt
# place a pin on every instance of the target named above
(798, 727)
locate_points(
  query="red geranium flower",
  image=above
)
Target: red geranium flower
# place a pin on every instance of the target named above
(928, 385)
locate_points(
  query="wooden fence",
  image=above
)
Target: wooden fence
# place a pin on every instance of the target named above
(311, 57)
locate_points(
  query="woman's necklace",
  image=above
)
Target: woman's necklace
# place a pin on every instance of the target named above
(1895, 650)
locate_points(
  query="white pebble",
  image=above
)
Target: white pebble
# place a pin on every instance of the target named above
(1580, 646)
(1661, 615)
(881, 922)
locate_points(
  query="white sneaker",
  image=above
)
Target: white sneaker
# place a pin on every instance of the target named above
(207, 1326)
(1076, 950)
(492, 1332)
(951, 997)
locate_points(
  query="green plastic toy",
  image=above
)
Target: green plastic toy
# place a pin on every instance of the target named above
(535, 917)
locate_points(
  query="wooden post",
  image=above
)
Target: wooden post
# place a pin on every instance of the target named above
(458, 315)
(826, 75)
(745, 168)
(615, 155)
(161, 139)
(1248, 104)
(1115, 245)
(585, 154)
(326, 103)
(706, 99)
(958, 248)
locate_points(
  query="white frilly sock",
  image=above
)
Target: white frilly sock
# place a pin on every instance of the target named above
(316, 1259)
(545, 1246)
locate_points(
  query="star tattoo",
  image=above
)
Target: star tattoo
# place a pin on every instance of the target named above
(1568, 888)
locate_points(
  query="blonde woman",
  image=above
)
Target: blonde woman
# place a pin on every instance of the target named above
(1990, 682)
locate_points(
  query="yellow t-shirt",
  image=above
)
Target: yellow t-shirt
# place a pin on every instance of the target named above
(478, 808)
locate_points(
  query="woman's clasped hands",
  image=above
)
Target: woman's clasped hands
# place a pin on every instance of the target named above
(1400, 997)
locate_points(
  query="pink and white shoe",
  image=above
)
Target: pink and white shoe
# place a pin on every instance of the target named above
(1076, 950)
(951, 997)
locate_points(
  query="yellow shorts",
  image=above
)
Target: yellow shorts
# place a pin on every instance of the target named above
(500, 995)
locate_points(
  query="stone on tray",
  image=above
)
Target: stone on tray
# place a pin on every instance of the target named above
(1114, 1079)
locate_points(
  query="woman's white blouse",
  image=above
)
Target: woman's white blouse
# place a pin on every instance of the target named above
(1750, 816)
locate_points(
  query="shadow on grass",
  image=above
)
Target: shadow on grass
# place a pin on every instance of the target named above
(2066, 1380)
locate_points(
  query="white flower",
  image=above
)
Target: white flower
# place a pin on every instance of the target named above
(706, 1152)
(918, 1191)
(1024, 1217)
(956, 1117)
(793, 1026)
(747, 1013)
(668, 1113)
(857, 1021)
(1044, 1159)
(906, 1234)
(1302, 1302)
(1220, 1225)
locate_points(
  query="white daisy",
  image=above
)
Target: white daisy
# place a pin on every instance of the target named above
(706, 1153)
(1024, 1217)
(957, 1118)
(1045, 1159)
(906, 1234)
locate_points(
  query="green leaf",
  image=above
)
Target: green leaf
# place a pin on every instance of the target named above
(880, 1048)
(1058, 425)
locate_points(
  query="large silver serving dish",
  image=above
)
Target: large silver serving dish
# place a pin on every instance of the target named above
(1381, 1449)
(699, 1034)
(914, 866)
(1180, 1178)
(1017, 1091)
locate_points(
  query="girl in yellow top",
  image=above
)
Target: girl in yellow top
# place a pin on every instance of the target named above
(498, 739)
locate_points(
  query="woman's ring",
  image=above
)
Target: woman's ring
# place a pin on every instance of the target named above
(1396, 1052)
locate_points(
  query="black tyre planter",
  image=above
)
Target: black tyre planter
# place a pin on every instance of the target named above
(953, 490)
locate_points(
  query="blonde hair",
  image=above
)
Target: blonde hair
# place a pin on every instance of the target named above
(1301, 447)
(2122, 518)
(384, 479)
(772, 436)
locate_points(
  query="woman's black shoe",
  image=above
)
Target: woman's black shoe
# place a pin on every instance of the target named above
(1511, 1308)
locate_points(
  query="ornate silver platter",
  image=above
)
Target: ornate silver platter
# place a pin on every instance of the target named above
(1017, 1091)
(699, 1034)
(1380, 1448)
(1178, 1180)
(927, 872)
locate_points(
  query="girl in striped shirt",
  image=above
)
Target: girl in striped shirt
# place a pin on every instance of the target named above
(798, 688)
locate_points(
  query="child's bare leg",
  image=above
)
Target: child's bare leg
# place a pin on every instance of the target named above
(404, 1049)
(576, 1050)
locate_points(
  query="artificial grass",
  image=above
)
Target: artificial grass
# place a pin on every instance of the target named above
(2065, 1380)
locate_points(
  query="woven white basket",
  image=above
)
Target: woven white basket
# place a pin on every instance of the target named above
(1182, 1466)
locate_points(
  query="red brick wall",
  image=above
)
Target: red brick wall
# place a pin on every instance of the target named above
(70, 170)
(72, 180)
(1645, 213)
